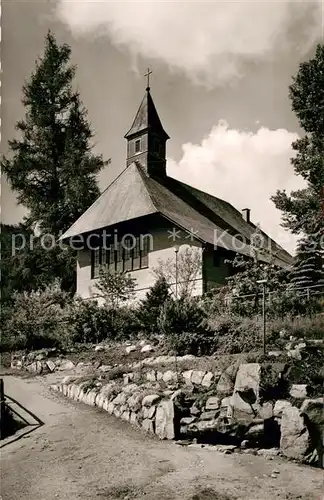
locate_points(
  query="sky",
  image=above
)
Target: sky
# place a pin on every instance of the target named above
(221, 72)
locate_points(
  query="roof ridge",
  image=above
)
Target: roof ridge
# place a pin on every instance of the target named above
(144, 179)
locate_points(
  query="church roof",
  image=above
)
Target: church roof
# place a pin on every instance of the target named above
(146, 118)
(133, 194)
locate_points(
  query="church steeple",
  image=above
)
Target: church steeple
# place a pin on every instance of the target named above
(146, 139)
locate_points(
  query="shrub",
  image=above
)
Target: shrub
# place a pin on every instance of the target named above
(37, 319)
(115, 288)
(150, 308)
(181, 315)
(235, 334)
(94, 323)
(198, 344)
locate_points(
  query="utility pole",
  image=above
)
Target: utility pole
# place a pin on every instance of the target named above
(263, 283)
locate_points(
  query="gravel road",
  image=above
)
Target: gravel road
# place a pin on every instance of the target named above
(82, 453)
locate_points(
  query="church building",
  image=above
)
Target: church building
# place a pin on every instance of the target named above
(144, 218)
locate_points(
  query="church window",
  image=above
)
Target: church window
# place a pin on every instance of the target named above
(137, 145)
(121, 257)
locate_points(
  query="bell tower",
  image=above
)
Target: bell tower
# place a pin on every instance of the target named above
(146, 139)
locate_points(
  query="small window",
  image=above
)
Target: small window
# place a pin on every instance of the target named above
(137, 146)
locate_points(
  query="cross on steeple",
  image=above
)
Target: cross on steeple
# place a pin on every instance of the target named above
(148, 78)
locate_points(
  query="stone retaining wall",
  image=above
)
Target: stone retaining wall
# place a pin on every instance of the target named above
(247, 405)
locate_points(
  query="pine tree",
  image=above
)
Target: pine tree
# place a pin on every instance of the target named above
(151, 306)
(53, 169)
(51, 166)
(303, 210)
(306, 271)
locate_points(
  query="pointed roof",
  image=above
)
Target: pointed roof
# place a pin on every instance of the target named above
(147, 118)
(133, 195)
(124, 199)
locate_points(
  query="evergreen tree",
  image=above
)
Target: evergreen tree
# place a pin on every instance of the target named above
(307, 270)
(150, 308)
(303, 210)
(51, 165)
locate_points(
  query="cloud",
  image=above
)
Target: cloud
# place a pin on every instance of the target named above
(245, 169)
(209, 41)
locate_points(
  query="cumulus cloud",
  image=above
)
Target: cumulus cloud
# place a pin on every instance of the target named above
(245, 169)
(209, 41)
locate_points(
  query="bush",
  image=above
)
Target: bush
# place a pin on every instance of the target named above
(150, 308)
(37, 319)
(181, 315)
(235, 334)
(198, 344)
(94, 323)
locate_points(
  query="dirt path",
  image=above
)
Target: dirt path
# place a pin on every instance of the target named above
(84, 453)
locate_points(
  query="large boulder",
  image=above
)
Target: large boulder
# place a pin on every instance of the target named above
(164, 420)
(65, 365)
(295, 438)
(225, 384)
(313, 412)
(244, 402)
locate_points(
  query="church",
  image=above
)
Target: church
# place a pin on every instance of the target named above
(144, 218)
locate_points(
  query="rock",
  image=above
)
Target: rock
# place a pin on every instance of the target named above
(130, 348)
(247, 378)
(170, 376)
(295, 354)
(147, 425)
(275, 354)
(207, 380)
(295, 439)
(66, 365)
(187, 376)
(225, 447)
(255, 431)
(104, 368)
(84, 368)
(92, 396)
(209, 415)
(151, 376)
(149, 412)
(212, 403)
(150, 399)
(194, 410)
(40, 356)
(313, 410)
(197, 377)
(110, 408)
(130, 388)
(298, 391)
(120, 399)
(245, 443)
(50, 365)
(117, 412)
(133, 418)
(147, 348)
(125, 415)
(35, 367)
(187, 420)
(164, 420)
(269, 452)
(128, 377)
(135, 402)
(203, 426)
(279, 407)
(265, 411)
(225, 385)
(99, 348)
